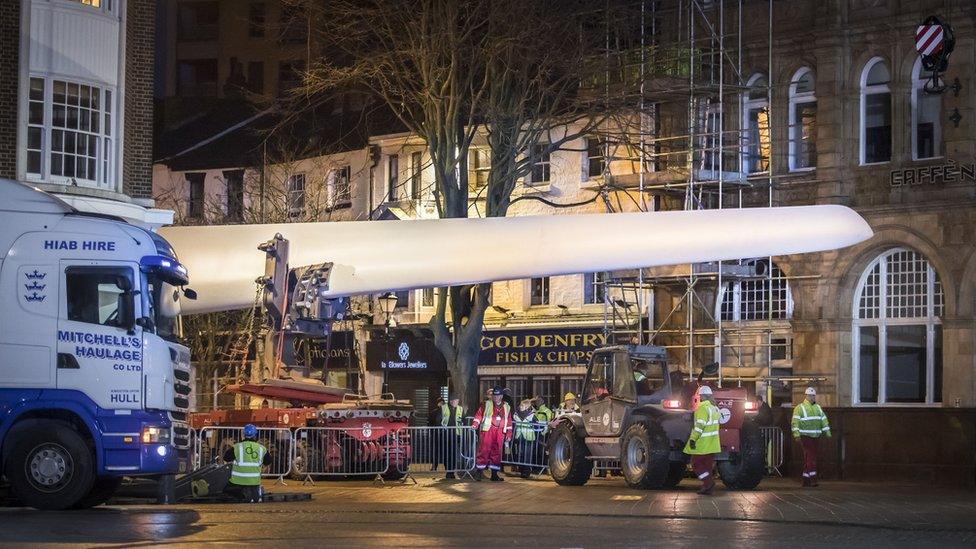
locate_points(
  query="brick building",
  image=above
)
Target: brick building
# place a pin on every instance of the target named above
(75, 102)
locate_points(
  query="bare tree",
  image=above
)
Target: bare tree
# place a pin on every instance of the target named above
(515, 71)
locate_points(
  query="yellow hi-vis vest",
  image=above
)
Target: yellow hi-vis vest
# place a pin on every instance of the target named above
(705, 430)
(544, 416)
(525, 428)
(446, 416)
(246, 469)
(488, 416)
(809, 420)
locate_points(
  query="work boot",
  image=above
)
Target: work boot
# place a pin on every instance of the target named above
(479, 474)
(806, 482)
(813, 481)
(450, 475)
(495, 477)
(707, 487)
(525, 473)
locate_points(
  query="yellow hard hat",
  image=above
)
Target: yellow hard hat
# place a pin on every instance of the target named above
(569, 396)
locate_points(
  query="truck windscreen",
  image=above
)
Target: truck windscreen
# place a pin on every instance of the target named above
(164, 303)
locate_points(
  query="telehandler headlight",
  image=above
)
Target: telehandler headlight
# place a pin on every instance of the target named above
(671, 404)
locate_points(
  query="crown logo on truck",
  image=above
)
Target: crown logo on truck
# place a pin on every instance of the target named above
(35, 297)
(36, 275)
(35, 286)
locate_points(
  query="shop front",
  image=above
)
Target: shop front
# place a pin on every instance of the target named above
(544, 361)
(337, 358)
(409, 366)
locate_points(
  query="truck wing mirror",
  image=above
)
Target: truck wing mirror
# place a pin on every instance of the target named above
(190, 294)
(124, 283)
(127, 311)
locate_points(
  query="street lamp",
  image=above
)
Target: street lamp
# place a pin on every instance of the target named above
(388, 302)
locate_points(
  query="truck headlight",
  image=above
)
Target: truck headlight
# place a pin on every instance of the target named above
(154, 435)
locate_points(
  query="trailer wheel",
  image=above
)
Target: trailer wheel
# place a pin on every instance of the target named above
(50, 466)
(744, 471)
(644, 456)
(676, 472)
(568, 463)
(102, 490)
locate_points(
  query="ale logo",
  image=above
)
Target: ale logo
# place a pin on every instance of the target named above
(404, 351)
(606, 419)
(724, 415)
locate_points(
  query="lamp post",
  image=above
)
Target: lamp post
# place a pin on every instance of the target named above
(388, 302)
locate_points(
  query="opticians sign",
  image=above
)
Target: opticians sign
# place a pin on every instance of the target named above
(539, 347)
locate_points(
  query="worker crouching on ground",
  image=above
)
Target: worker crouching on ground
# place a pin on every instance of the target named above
(703, 442)
(246, 459)
(809, 423)
(494, 421)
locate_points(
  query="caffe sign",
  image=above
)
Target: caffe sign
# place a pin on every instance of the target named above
(936, 174)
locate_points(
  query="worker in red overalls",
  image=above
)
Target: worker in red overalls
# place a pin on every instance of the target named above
(494, 422)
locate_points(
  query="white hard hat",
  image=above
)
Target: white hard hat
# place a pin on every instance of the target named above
(704, 390)
(810, 391)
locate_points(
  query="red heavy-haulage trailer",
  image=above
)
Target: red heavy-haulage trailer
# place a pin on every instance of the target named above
(359, 435)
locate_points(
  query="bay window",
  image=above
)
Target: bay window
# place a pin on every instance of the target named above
(70, 137)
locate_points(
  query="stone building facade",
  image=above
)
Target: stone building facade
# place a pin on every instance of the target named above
(75, 102)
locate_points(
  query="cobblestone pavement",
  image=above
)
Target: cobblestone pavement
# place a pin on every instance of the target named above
(534, 513)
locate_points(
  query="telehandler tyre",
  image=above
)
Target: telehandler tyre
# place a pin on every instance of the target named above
(568, 463)
(746, 469)
(676, 472)
(644, 456)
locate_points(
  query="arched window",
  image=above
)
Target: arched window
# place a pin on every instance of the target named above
(875, 112)
(760, 297)
(755, 121)
(926, 110)
(803, 121)
(897, 337)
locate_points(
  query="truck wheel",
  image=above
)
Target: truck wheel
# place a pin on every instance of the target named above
(676, 472)
(50, 467)
(567, 457)
(644, 456)
(102, 490)
(744, 471)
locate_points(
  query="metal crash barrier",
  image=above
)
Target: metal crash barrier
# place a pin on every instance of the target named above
(213, 442)
(527, 450)
(438, 450)
(364, 451)
(773, 442)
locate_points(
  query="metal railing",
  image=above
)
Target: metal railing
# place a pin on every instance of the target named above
(773, 443)
(527, 450)
(436, 450)
(363, 451)
(213, 442)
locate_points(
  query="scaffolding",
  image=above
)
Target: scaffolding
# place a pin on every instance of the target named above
(703, 141)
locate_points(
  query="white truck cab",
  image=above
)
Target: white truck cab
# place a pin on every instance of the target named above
(94, 383)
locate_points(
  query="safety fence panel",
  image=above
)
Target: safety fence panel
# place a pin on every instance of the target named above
(773, 442)
(363, 451)
(527, 449)
(213, 443)
(437, 449)
(192, 456)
